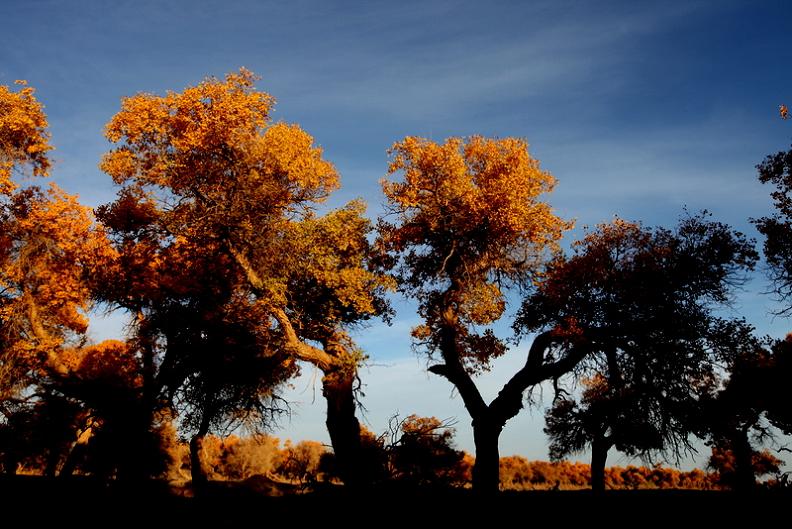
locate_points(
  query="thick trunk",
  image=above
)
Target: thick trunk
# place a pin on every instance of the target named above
(599, 456)
(744, 478)
(53, 459)
(10, 464)
(344, 429)
(486, 471)
(197, 471)
(71, 462)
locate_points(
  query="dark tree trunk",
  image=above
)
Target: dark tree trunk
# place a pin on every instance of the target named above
(744, 477)
(10, 464)
(344, 429)
(486, 470)
(197, 471)
(199, 479)
(599, 456)
(76, 450)
(53, 459)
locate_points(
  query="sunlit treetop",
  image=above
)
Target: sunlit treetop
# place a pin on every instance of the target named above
(213, 152)
(24, 140)
(465, 220)
(469, 208)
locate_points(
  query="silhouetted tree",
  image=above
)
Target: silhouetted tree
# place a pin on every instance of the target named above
(642, 301)
(736, 416)
(776, 169)
(605, 417)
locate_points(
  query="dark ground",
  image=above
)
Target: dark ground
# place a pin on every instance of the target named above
(29, 501)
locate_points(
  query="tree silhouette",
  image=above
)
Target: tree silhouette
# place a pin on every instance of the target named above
(734, 416)
(776, 169)
(643, 301)
(605, 417)
(421, 452)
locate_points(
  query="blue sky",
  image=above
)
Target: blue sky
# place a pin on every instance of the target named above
(638, 108)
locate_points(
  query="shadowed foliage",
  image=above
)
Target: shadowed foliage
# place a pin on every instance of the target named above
(641, 303)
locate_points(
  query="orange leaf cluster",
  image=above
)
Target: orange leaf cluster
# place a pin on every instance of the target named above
(24, 139)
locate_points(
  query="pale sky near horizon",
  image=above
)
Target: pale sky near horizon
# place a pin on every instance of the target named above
(638, 108)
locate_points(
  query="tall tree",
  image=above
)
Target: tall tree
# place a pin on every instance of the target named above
(466, 222)
(644, 299)
(217, 203)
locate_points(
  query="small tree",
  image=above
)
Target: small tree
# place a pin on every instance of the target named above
(421, 452)
(604, 418)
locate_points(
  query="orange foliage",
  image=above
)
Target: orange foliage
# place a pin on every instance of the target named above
(517, 473)
(111, 361)
(723, 462)
(47, 251)
(215, 144)
(49, 246)
(24, 140)
(468, 213)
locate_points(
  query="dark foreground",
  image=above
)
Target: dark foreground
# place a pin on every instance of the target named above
(27, 501)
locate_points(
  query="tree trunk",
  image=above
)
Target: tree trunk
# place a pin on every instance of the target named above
(599, 456)
(67, 470)
(744, 477)
(344, 429)
(53, 458)
(486, 470)
(10, 463)
(197, 471)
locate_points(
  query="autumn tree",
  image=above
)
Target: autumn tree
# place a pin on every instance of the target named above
(49, 246)
(215, 221)
(643, 300)
(464, 224)
(302, 461)
(24, 138)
